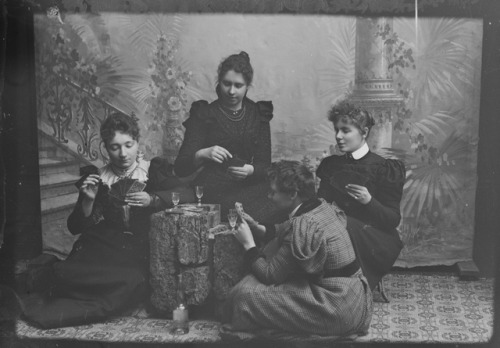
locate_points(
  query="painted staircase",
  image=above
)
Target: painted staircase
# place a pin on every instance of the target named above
(59, 170)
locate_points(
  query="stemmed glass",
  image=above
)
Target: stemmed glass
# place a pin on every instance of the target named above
(199, 193)
(232, 217)
(175, 199)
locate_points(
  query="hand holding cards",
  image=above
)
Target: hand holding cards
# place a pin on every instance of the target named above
(89, 183)
(353, 184)
(120, 189)
(242, 216)
(234, 161)
(342, 178)
(85, 172)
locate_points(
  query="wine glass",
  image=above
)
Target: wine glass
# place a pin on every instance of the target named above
(232, 217)
(199, 193)
(175, 199)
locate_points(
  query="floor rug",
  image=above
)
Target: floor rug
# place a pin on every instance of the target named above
(423, 308)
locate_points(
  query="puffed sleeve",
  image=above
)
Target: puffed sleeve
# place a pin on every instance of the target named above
(194, 138)
(384, 209)
(162, 182)
(308, 245)
(262, 154)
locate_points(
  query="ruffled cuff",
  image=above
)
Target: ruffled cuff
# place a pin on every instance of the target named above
(77, 222)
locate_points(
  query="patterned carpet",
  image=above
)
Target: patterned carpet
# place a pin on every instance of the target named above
(423, 308)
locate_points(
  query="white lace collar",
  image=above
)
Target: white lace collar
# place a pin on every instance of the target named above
(139, 172)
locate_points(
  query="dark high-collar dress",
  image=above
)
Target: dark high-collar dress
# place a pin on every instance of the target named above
(106, 272)
(248, 139)
(372, 227)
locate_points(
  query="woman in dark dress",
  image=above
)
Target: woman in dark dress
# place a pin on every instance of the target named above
(367, 187)
(229, 141)
(107, 269)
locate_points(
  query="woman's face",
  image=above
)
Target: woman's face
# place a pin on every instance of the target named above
(349, 138)
(282, 200)
(233, 88)
(122, 150)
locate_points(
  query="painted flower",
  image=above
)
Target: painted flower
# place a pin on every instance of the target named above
(174, 103)
(180, 84)
(170, 42)
(170, 73)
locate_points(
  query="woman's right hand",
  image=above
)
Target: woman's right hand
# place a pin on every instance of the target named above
(244, 235)
(250, 220)
(215, 153)
(90, 186)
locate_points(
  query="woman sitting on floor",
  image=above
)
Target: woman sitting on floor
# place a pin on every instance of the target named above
(106, 271)
(312, 284)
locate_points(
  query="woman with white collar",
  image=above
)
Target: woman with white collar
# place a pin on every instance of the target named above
(367, 187)
(106, 273)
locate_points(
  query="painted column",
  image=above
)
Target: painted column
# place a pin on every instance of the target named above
(373, 88)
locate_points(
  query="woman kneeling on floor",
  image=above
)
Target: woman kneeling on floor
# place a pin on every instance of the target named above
(312, 284)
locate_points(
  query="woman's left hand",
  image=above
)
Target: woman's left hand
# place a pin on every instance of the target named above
(244, 235)
(359, 193)
(138, 199)
(240, 173)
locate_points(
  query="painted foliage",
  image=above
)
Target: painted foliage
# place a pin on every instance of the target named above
(154, 65)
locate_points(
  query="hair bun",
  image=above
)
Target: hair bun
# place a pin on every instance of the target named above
(244, 55)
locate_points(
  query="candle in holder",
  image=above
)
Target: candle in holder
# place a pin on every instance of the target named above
(181, 320)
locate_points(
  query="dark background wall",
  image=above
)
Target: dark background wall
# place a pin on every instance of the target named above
(18, 143)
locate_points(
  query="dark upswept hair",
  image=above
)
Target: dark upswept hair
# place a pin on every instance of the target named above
(351, 114)
(240, 63)
(120, 122)
(292, 176)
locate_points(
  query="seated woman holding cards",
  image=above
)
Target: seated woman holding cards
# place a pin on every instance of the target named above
(367, 187)
(312, 284)
(107, 269)
(229, 142)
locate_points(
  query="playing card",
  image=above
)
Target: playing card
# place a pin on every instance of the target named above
(342, 178)
(239, 207)
(137, 186)
(85, 172)
(122, 187)
(235, 161)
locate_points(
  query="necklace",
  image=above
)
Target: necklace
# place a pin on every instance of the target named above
(124, 173)
(233, 115)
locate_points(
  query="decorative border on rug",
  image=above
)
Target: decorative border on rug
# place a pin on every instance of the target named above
(423, 308)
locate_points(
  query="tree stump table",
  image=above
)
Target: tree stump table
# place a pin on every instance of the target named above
(194, 245)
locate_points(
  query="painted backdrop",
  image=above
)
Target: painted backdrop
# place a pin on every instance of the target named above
(420, 78)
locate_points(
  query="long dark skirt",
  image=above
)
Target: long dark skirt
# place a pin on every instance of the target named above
(103, 275)
(376, 250)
